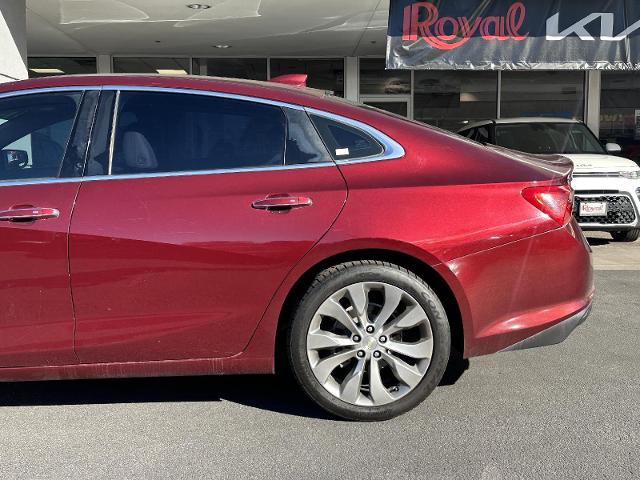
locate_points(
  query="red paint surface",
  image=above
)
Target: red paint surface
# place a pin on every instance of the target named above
(181, 275)
(294, 79)
(36, 323)
(184, 267)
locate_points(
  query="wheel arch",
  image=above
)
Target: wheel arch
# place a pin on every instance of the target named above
(422, 269)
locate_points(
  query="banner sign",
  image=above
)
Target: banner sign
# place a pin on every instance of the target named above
(514, 34)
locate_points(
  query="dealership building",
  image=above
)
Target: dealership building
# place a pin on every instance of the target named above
(341, 45)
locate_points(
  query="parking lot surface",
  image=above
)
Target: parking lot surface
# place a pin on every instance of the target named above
(568, 411)
(610, 255)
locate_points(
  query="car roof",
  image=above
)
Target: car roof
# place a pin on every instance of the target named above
(250, 88)
(144, 78)
(507, 121)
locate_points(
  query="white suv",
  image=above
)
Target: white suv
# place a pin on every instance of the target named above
(606, 186)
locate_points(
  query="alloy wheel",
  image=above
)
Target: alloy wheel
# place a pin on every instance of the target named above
(370, 344)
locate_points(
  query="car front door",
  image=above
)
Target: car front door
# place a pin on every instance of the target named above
(188, 221)
(39, 134)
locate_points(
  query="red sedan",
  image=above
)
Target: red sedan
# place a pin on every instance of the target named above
(192, 226)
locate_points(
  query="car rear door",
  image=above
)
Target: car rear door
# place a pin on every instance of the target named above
(188, 221)
(42, 137)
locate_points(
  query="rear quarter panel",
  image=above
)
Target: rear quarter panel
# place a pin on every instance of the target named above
(458, 207)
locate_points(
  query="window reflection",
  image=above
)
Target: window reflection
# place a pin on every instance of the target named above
(543, 94)
(161, 65)
(52, 66)
(375, 80)
(249, 68)
(620, 111)
(450, 100)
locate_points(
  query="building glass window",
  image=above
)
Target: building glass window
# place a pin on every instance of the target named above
(450, 100)
(51, 66)
(324, 74)
(249, 68)
(543, 94)
(375, 80)
(400, 107)
(620, 111)
(164, 66)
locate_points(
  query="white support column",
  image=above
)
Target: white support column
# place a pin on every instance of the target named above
(13, 40)
(592, 104)
(103, 63)
(351, 79)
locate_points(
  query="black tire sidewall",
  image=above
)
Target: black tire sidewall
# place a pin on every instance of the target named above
(626, 236)
(348, 274)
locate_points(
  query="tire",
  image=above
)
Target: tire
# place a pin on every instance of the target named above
(627, 235)
(381, 394)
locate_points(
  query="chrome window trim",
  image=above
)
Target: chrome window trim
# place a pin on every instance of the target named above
(190, 173)
(206, 93)
(390, 148)
(38, 181)
(185, 173)
(112, 140)
(33, 91)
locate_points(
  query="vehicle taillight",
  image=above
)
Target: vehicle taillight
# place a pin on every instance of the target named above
(555, 201)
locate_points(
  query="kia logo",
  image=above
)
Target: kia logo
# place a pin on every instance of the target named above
(448, 33)
(607, 21)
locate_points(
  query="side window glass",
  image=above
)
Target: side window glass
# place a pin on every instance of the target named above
(469, 133)
(482, 135)
(303, 143)
(174, 132)
(34, 132)
(345, 142)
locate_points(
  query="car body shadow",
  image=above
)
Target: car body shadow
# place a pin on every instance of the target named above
(267, 392)
(276, 393)
(455, 369)
(597, 241)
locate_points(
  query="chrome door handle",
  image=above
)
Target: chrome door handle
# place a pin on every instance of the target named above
(282, 202)
(26, 214)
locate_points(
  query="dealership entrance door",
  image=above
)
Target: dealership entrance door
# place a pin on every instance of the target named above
(399, 106)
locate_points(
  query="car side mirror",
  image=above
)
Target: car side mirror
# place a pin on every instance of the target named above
(613, 148)
(14, 159)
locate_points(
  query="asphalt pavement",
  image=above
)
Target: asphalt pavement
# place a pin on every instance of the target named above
(610, 255)
(568, 411)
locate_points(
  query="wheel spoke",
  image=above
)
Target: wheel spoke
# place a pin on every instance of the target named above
(379, 393)
(410, 318)
(326, 366)
(392, 298)
(350, 388)
(395, 349)
(359, 297)
(422, 349)
(333, 309)
(408, 374)
(320, 339)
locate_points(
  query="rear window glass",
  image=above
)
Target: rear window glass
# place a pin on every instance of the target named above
(303, 143)
(345, 142)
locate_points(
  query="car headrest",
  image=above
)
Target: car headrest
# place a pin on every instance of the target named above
(138, 153)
